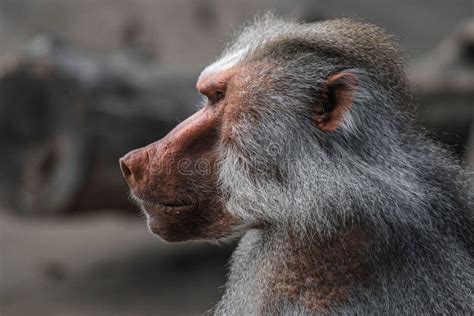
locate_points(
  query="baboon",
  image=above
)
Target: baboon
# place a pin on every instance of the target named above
(306, 146)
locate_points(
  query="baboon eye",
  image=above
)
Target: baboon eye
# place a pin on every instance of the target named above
(216, 97)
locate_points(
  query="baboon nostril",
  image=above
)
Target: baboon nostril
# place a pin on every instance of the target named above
(133, 165)
(127, 173)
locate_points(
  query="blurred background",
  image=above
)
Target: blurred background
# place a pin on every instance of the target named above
(82, 82)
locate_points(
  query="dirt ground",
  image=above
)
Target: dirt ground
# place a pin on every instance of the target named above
(103, 264)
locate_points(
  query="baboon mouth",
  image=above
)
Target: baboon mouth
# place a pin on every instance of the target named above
(149, 201)
(168, 209)
(172, 205)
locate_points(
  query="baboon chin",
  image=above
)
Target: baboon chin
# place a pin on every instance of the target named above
(305, 142)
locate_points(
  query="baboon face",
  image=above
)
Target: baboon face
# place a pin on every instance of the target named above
(179, 180)
(176, 179)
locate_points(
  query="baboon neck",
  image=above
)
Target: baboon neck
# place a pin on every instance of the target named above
(321, 273)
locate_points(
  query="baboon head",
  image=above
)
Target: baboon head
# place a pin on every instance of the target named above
(292, 114)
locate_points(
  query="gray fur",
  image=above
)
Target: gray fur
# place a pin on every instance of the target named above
(285, 173)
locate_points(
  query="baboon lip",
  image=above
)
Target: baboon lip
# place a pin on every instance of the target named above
(168, 210)
(147, 200)
(162, 205)
(173, 205)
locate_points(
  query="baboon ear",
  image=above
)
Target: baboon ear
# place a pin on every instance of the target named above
(337, 97)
